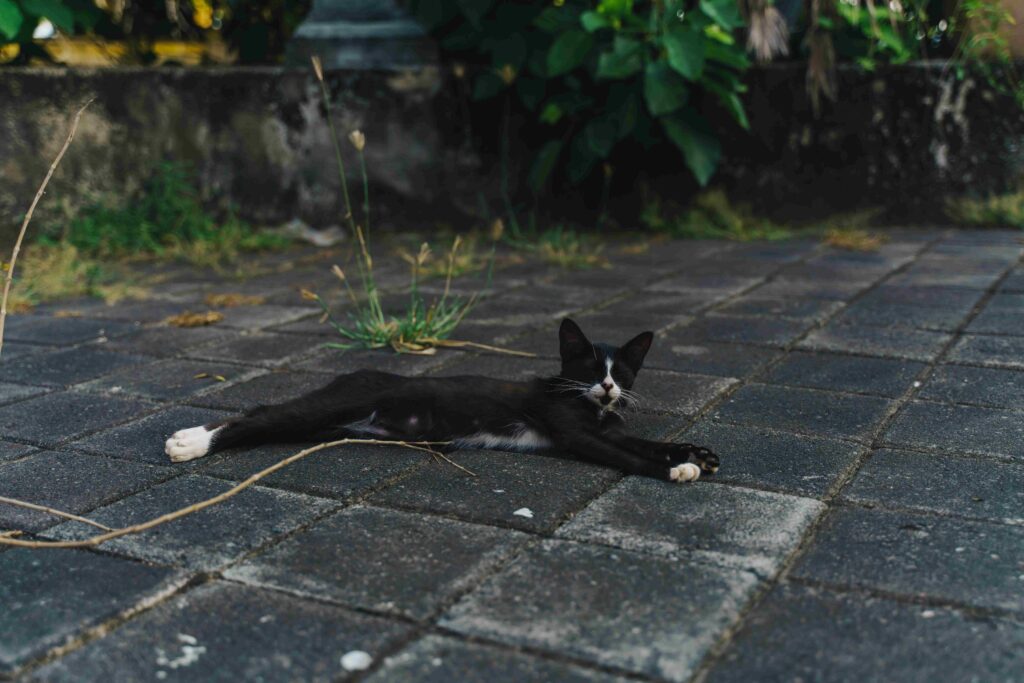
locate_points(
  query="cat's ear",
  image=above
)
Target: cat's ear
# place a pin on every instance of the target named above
(634, 351)
(572, 343)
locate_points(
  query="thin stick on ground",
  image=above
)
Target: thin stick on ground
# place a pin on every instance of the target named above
(28, 218)
(9, 539)
(52, 511)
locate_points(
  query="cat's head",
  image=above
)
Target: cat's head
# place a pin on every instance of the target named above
(601, 373)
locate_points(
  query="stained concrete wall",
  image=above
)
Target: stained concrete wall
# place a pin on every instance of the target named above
(904, 138)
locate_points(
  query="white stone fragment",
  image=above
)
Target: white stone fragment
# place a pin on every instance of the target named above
(356, 660)
(524, 512)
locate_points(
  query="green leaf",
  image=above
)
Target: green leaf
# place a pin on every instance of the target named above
(568, 51)
(664, 91)
(54, 10)
(592, 21)
(556, 19)
(685, 48)
(487, 85)
(627, 113)
(732, 103)
(544, 164)
(695, 139)
(725, 13)
(729, 55)
(623, 61)
(581, 159)
(10, 19)
(600, 137)
(475, 10)
(551, 114)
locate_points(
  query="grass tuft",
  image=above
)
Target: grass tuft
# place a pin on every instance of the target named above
(1004, 210)
(854, 239)
(711, 216)
(562, 247)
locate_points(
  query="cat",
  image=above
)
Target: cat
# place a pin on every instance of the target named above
(575, 412)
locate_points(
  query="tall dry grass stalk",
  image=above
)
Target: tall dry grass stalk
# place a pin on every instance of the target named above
(28, 218)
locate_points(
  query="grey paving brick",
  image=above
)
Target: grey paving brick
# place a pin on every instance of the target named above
(336, 361)
(259, 348)
(39, 329)
(205, 540)
(1003, 314)
(904, 315)
(672, 352)
(57, 417)
(168, 380)
(823, 413)
(794, 286)
(840, 372)
(923, 345)
(982, 386)
(382, 560)
(953, 272)
(764, 457)
(780, 307)
(966, 562)
(635, 612)
(256, 634)
(342, 472)
(51, 595)
(436, 659)
(808, 634)
(70, 482)
(1014, 282)
(166, 340)
(938, 296)
(500, 367)
(742, 330)
(259, 317)
(678, 393)
(13, 451)
(731, 526)
(13, 350)
(143, 440)
(993, 351)
(70, 366)
(722, 283)
(940, 483)
(651, 425)
(661, 305)
(550, 488)
(269, 388)
(955, 429)
(148, 311)
(9, 393)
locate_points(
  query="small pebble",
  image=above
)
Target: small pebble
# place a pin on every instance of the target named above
(524, 512)
(356, 660)
(928, 613)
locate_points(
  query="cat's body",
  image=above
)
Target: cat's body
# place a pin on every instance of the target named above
(572, 412)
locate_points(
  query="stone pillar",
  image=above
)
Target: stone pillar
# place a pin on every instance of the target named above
(361, 35)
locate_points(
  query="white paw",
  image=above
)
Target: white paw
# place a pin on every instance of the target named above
(685, 472)
(189, 444)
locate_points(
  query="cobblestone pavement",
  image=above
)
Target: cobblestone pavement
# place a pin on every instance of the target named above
(867, 522)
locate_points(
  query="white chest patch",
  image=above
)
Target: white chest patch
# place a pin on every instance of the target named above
(521, 439)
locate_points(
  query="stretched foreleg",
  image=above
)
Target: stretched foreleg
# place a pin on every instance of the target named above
(667, 452)
(603, 451)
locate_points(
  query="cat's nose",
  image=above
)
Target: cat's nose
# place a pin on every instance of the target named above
(607, 386)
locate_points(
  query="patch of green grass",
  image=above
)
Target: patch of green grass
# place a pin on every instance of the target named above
(711, 216)
(165, 219)
(561, 246)
(1004, 210)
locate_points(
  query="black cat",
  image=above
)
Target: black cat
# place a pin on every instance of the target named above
(574, 412)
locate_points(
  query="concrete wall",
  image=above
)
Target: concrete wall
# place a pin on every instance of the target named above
(903, 137)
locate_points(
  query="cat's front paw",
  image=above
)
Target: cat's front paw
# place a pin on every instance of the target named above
(696, 455)
(189, 444)
(687, 471)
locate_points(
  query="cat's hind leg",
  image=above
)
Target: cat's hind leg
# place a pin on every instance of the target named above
(320, 415)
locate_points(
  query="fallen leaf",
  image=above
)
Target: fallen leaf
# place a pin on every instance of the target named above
(189, 319)
(233, 299)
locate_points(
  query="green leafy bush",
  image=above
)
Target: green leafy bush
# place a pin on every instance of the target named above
(599, 76)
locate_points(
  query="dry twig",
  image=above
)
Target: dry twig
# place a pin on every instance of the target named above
(8, 538)
(28, 218)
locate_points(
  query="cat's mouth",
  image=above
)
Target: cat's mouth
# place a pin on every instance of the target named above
(606, 400)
